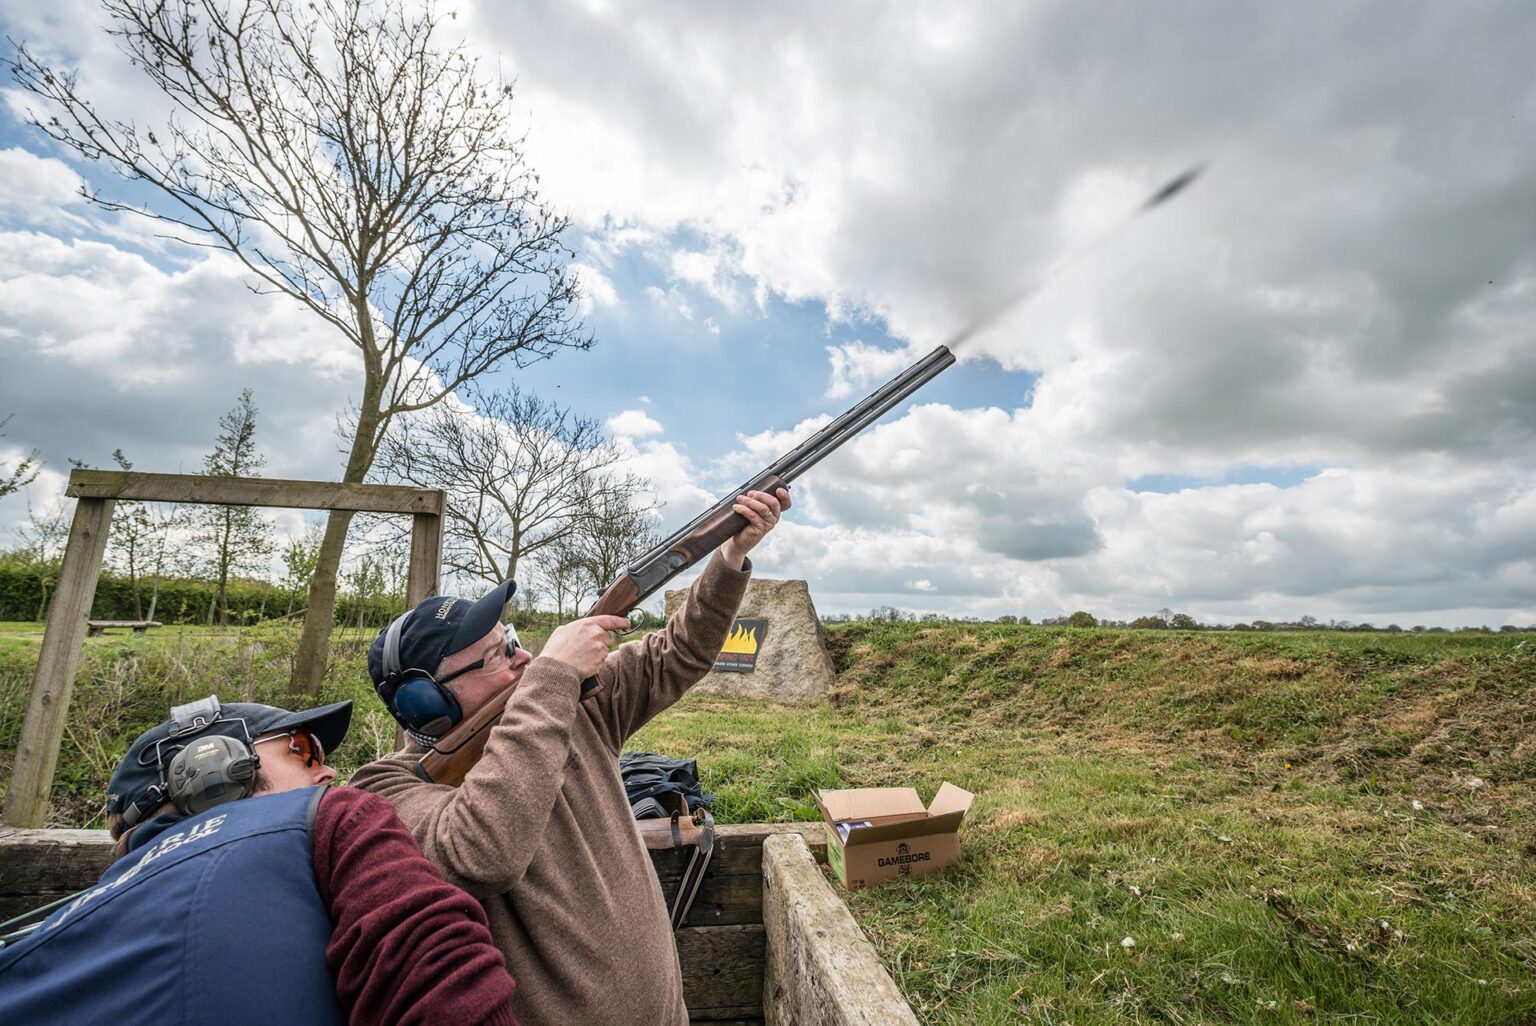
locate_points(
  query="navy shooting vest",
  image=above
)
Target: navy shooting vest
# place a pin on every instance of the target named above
(217, 920)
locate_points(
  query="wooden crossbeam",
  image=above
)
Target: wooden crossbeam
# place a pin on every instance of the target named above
(264, 491)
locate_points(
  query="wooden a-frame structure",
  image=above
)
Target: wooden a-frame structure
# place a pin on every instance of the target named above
(26, 800)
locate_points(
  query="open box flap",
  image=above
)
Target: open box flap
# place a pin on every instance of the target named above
(946, 824)
(950, 799)
(871, 803)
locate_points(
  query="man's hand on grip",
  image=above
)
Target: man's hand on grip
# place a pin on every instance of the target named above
(762, 512)
(584, 643)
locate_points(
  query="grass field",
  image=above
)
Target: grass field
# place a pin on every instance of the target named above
(1291, 828)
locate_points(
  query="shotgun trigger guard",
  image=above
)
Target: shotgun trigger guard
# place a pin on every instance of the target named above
(635, 616)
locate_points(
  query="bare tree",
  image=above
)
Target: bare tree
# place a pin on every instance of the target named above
(563, 570)
(521, 474)
(234, 537)
(299, 558)
(43, 538)
(614, 534)
(353, 163)
(22, 474)
(137, 542)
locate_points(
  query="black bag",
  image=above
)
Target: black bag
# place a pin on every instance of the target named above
(648, 777)
(669, 811)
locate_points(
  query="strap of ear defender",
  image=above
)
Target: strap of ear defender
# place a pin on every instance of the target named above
(392, 646)
(194, 716)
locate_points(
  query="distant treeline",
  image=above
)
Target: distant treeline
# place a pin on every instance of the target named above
(24, 596)
(1163, 620)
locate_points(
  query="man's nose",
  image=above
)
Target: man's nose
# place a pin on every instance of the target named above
(521, 658)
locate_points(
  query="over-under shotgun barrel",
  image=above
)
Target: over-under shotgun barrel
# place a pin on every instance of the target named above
(457, 751)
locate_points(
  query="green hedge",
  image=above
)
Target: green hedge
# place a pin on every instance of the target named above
(181, 601)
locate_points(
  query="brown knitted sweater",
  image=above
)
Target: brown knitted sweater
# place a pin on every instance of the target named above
(541, 832)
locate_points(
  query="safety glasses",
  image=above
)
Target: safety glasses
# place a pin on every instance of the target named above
(301, 742)
(479, 664)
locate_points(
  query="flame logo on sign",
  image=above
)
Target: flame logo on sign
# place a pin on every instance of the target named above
(741, 641)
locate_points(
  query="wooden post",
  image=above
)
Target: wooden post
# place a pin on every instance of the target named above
(26, 801)
(421, 578)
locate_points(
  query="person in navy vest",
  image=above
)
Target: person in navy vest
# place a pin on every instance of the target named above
(246, 891)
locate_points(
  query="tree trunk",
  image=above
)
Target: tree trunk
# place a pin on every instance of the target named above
(133, 580)
(309, 664)
(221, 596)
(313, 656)
(154, 596)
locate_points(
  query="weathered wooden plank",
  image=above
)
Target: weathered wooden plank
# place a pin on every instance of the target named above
(728, 1022)
(739, 847)
(820, 969)
(722, 900)
(37, 866)
(238, 491)
(722, 970)
(732, 891)
(37, 754)
(421, 579)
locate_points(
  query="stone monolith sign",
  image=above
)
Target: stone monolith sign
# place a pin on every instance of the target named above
(792, 661)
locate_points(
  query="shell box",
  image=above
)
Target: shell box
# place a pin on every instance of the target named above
(876, 834)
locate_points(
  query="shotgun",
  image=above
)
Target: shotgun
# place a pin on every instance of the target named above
(456, 752)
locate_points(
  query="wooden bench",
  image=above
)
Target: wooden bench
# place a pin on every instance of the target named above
(95, 627)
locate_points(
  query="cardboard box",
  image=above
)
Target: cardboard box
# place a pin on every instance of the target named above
(876, 834)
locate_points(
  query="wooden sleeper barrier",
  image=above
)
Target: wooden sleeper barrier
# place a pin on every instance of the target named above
(768, 939)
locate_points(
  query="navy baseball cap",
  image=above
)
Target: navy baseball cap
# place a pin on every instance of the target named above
(440, 626)
(140, 775)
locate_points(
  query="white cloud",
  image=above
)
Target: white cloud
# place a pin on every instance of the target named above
(673, 477)
(596, 289)
(39, 188)
(857, 365)
(147, 359)
(633, 424)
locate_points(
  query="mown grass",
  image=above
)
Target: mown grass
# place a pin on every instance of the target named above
(1289, 828)
(1293, 828)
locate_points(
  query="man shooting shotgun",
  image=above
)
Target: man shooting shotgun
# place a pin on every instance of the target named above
(511, 780)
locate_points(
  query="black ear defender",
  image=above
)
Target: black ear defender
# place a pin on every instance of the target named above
(207, 771)
(203, 772)
(211, 771)
(426, 709)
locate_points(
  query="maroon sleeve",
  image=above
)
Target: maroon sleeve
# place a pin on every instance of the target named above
(406, 946)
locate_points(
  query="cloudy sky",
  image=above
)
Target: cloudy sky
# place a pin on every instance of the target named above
(1306, 387)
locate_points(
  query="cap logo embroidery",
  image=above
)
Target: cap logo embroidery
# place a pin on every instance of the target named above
(442, 610)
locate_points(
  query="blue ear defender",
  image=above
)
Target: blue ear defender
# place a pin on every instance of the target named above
(421, 705)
